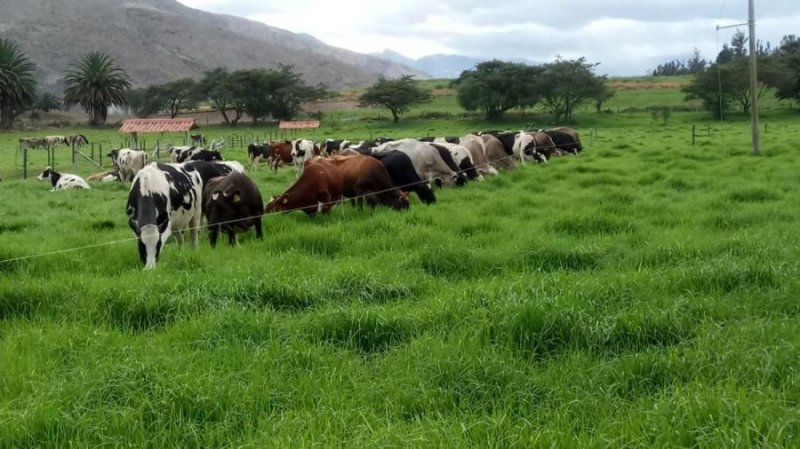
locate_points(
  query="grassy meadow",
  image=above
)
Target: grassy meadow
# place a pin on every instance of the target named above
(643, 294)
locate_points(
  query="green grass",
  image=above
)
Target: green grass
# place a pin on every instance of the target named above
(643, 294)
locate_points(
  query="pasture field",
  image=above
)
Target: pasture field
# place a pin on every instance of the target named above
(642, 294)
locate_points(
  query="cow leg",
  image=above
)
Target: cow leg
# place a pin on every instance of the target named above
(179, 238)
(232, 237)
(259, 232)
(213, 232)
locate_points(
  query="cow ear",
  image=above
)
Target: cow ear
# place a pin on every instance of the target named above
(237, 198)
(285, 200)
(215, 196)
(272, 198)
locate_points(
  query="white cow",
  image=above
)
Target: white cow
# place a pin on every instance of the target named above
(129, 162)
(62, 181)
(432, 162)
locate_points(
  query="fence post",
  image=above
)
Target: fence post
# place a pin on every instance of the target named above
(25, 163)
(100, 149)
(765, 127)
(693, 134)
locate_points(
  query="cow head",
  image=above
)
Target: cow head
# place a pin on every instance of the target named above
(152, 228)
(114, 155)
(401, 201)
(45, 175)
(277, 204)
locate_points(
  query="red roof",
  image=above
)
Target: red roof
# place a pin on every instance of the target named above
(298, 124)
(157, 125)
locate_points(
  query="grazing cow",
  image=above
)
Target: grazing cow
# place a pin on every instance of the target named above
(331, 146)
(401, 170)
(77, 140)
(366, 179)
(477, 149)
(432, 163)
(30, 143)
(232, 204)
(496, 153)
(317, 190)
(507, 139)
(462, 158)
(200, 154)
(448, 139)
(164, 199)
(280, 152)
(257, 152)
(106, 176)
(565, 142)
(212, 169)
(527, 144)
(129, 162)
(198, 140)
(303, 150)
(53, 141)
(573, 133)
(62, 181)
(180, 152)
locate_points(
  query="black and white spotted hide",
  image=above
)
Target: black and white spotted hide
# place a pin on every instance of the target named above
(164, 199)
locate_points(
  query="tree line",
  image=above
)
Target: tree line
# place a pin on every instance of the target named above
(495, 87)
(97, 82)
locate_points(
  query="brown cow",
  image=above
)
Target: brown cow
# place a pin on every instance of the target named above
(280, 153)
(317, 190)
(365, 178)
(496, 153)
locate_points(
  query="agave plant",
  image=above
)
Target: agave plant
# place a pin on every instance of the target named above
(17, 83)
(96, 83)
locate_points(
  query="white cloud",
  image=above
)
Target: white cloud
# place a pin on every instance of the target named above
(626, 36)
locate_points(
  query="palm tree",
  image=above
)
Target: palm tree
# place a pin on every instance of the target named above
(96, 83)
(17, 83)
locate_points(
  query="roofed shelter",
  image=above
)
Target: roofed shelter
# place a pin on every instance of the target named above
(135, 126)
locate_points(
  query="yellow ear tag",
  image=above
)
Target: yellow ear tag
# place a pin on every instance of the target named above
(237, 198)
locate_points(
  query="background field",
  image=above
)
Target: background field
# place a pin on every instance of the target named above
(643, 294)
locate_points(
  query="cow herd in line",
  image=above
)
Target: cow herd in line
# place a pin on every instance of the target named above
(170, 198)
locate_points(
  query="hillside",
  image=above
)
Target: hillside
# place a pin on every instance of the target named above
(160, 40)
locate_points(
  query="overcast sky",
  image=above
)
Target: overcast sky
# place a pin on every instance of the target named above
(628, 37)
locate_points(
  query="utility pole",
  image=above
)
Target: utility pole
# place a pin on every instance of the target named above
(753, 80)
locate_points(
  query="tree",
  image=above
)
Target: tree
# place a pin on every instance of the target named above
(495, 87)
(566, 84)
(216, 87)
(47, 102)
(725, 55)
(787, 60)
(603, 95)
(722, 85)
(270, 92)
(17, 82)
(146, 101)
(397, 95)
(96, 83)
(179, 95)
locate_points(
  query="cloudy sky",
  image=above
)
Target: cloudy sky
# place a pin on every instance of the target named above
(628, 37)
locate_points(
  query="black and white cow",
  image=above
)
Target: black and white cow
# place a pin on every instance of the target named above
(129, 162)
(331, 146)
(164, 199)
(200, 154)
(212, 169)
(462, 158)
(62, 181)
(303, 150)
(401, 170)
(433, 163)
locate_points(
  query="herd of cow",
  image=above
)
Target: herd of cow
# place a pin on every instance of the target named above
(170, 198)
(52, 141)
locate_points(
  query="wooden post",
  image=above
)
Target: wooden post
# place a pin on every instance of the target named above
(751, 15)
(25, 163)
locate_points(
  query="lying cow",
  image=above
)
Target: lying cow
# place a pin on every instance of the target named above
(317, 190)
(62, 181)
(232, 204)
(106, 176)
(129, 162)
(164, 199)
(366, 179)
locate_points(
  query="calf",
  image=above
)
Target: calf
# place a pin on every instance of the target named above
(164, 199)
(62, 181)
(232, 204)
(129, 162)
(366, 179)
(401, 170)
(318, 188)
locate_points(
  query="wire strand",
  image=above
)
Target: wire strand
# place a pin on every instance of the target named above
(207, 226)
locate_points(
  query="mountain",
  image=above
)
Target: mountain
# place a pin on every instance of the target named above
(161, 40)
(439, 66)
